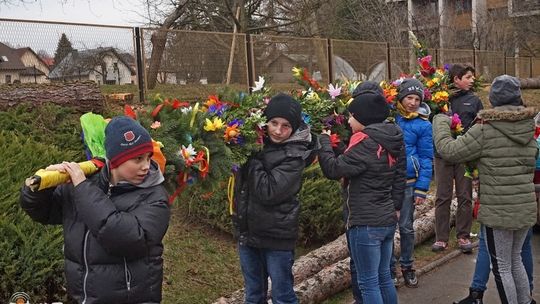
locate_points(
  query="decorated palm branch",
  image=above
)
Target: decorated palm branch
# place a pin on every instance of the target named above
(93, 127)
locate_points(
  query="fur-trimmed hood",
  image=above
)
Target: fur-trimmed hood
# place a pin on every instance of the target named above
(515, 122)
(507, 113)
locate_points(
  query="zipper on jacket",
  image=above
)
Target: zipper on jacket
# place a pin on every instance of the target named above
(128, 275)
(85, 265)
(348, 207)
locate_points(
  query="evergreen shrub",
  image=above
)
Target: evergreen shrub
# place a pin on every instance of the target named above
(31, 257)
(321, 202)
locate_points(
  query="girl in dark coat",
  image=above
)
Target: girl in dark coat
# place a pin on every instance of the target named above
(114, 221)
(374, 167)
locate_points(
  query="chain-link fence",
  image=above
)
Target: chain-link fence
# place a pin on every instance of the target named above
(40, 51)
(66, 51)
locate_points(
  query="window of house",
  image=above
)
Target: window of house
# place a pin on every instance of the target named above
(463, 6)
(8, 78)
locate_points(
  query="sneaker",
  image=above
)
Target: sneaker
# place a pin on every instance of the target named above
(439, 246)
(394, 278)
(409, 276)
(465, 245)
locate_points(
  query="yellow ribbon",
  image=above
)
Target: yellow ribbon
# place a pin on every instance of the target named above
(194, 114)
(230, 193)
(44, 179)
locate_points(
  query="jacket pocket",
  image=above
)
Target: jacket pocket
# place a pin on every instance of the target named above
(416, 165)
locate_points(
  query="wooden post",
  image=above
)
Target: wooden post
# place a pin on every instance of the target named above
(474, 58)
(530, 67)
(233, 44)
(505, 63)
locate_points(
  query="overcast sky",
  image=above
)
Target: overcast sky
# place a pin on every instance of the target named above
(45, 36)
(113, 12)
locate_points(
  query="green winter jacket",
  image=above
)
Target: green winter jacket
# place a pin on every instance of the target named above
(503, 146)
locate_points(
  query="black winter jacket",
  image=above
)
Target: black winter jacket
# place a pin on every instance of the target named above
(466, 105)
(267, 209)
(374, 166)
(112, 236)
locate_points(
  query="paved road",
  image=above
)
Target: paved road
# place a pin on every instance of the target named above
(451, 282)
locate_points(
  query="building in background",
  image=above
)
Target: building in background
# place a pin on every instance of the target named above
(103, 65)
(21, 65)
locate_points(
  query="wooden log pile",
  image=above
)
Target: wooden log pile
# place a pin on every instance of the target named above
(82, 96)
(325, 271)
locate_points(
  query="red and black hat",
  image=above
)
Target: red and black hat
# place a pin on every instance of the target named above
(125, 139)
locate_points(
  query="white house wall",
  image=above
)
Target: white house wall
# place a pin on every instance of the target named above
(14, 76)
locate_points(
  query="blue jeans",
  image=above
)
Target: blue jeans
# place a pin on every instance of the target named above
(406, 232)
(257, 265)
(482, 268)
(357, 294)
(371, 250)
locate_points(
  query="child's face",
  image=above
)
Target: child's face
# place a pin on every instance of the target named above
(134, 170)
(466, 82)
(356, 126)
(279, 129)
(411, 103)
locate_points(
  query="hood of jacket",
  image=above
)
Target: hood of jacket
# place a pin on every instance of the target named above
(386, 134)
(515, 122)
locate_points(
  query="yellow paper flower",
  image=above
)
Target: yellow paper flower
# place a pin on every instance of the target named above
(313, 95)
(444, 108)
(430, 83)
(214, 125)
(440, 96)
(436, 80)
(297, 72)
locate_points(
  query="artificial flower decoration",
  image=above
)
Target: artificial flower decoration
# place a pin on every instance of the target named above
(155, 125)
(188, 153)
(455, 125)
(259, 85)
(334, 91)
(390, 91)
(334, 140)
(232, 132)
(213, 125)
(215, 106)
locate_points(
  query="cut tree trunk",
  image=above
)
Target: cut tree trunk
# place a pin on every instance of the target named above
(530, 83)
(81, 96)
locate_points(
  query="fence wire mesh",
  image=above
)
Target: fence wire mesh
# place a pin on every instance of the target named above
(101, 53)
(275, 56)
(191, 57)
(108, 55)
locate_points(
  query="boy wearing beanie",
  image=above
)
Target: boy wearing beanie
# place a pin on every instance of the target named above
(373, 166)
(447, 174)
(503, 146)
(114, 221)
(266, 213)
(412, 117)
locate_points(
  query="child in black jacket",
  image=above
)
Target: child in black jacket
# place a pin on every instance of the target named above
(374, 166)
(114, 221)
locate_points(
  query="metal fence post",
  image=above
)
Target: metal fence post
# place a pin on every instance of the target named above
(250, 62)
(140, 68)
(388, 63)
(330, 61)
